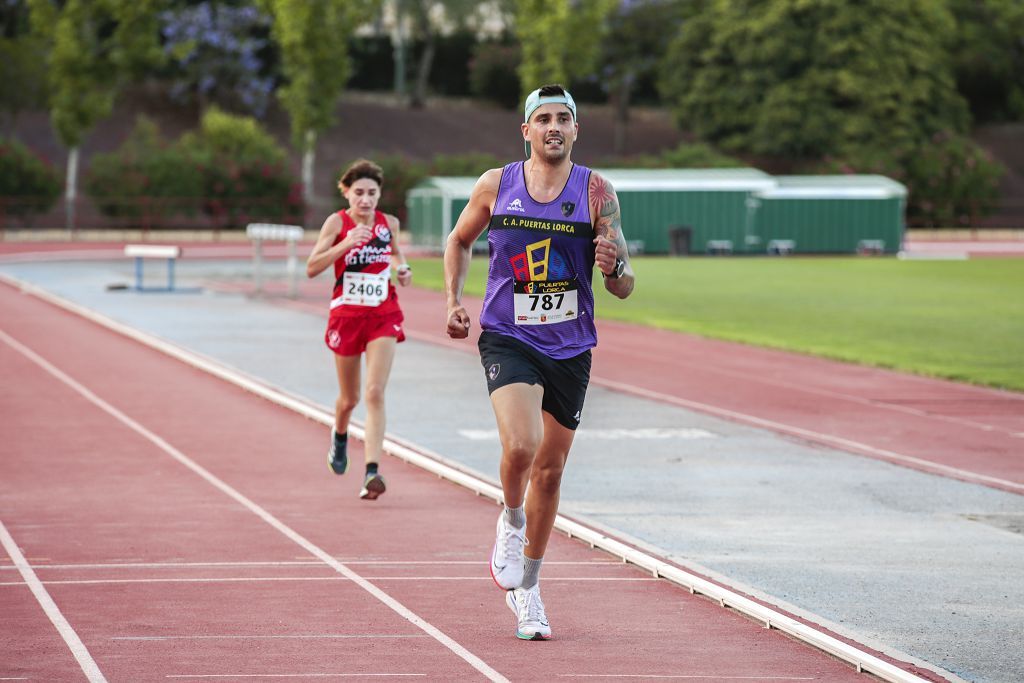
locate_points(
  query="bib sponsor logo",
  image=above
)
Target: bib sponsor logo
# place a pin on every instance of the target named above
(516, 205)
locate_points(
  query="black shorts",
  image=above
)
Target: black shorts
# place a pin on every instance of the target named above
(510, 361)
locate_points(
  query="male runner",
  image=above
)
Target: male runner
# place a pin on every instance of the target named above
(549, 222)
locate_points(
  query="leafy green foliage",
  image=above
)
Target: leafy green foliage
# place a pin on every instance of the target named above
(951, 181)
(95, 46)
(230, 169)
(312, 38)
(28, 185)
(807, 78)
(686, 155)
(492, 71)
(560, 39)
(23, 74)
(244, 171)
(146, 179)
(988, 57)
(239, 138)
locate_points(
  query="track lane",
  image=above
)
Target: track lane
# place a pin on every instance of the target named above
(263, 451)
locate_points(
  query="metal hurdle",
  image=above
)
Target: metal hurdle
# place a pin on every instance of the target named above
(141, 252)
(261, 232)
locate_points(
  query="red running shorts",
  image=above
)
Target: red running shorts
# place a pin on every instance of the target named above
(348, 336)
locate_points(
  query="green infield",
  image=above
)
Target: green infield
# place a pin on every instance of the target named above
(962, 320)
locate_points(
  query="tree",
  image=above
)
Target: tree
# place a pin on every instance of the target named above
(94, 48)
(989, 57)
(561, 39)
(425, 17)
(636, 40)
(312, 38)
(22, 64)
(809, 78)
(217, 54)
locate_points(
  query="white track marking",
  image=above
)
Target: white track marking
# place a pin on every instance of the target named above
(984, 392)
(74, 643)
(446, 469)
(304, 675)
(712, 677)
(656, 433)
(282, 528)
(301, 563)
(315, 636)
(836, 441)
(250, 579)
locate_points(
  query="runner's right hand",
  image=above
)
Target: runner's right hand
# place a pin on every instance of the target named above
(458, 323)
(358, 235)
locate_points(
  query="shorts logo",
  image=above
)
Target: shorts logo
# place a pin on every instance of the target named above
(516, 205)
(333, 339)
(577, 415)
(494, 371)
(568, 208)
(398, 328)
(384, 233)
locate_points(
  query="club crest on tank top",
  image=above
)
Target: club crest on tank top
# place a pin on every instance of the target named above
(362, 277)
(539, 287)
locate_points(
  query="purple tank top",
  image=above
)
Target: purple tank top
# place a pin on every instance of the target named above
(541, 266)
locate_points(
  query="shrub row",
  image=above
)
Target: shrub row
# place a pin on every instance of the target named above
(230, 170)
(28, 184)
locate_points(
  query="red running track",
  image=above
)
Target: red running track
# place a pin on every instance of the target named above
(188, 530)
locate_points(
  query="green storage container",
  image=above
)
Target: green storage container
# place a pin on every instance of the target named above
(687, 210)
(433, 207)
(707, 207)
(830, 214)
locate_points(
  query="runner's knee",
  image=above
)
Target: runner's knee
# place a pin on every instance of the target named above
(547, 478)
(520, 452)
(375, 395)
(346, 404)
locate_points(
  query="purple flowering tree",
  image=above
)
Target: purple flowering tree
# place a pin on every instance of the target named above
(218, 54)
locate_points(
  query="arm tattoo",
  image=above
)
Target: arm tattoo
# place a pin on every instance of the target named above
(609, 222)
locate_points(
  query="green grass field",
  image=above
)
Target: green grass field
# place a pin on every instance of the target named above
(962, 320)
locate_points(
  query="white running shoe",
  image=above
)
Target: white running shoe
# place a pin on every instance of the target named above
(532, 623)
(507, 555)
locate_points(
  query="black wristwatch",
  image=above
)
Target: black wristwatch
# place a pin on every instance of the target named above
(617, 272)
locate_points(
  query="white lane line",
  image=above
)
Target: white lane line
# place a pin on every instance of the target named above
(78, 649)
(990, 394)
(300, 563)
(712, 677)
(314, 636)
(284, 529)
(456, 473)
(656, 433)
(838, 442)
(304, 675)
(307, 675)
(245, 579)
